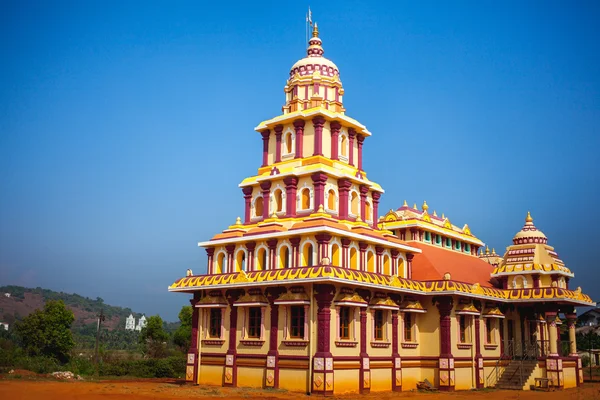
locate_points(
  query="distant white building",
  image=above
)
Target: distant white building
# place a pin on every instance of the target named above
(141, 323)
(6, 294)
(3, 325)
(130, 323)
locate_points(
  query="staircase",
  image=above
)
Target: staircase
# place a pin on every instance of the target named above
(516, 374)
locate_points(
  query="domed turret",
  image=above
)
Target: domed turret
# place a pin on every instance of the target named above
(529, 233)
(314, 81)
(530, 262)
(314, 60)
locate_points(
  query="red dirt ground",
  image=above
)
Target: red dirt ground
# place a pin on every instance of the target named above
(15, 389)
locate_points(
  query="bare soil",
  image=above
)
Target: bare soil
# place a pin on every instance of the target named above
(29, 389)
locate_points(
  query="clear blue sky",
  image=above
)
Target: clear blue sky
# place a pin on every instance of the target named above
(126, 127)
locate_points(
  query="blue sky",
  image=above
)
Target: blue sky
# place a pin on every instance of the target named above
(126, 127)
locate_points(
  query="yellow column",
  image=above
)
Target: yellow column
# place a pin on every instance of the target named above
(552, 334)
(571, 319)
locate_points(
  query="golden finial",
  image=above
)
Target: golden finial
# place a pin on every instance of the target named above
(321, 209)
(487, 250)
(405, 204)
(493, 251)
(425, 207)
(415, 206)
(443, 216)
(528, 219)
(480, 252)
(315, 30)
(238, 221)
(434, 213)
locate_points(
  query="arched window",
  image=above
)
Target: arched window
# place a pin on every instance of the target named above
(331, 199)
(240, 261)
(307, 255)
(335, 256)
(284, 257)
(400, 267)
(387, 266)
(353, 259)
(427, 236)
(221, 263)
(261, 260)
(368, 211)
(258, 207)
(288, 143)
(305, 199)
(370, 262)
(278, 197)
(354, 204)
(519, 282)
(344, 146)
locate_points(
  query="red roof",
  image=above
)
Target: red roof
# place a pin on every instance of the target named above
(435, 261)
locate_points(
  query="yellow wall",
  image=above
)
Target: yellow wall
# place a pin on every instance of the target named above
(295, 380)
(381, 380)
(345, 381)
(250, 377)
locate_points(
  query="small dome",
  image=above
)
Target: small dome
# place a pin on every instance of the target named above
(530, 231)
(314, 60)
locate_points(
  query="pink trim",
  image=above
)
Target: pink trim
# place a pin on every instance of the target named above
(345, 343)
(252, 342)
(351, 136)
(335, 132)
(299, 128)
(265, 136)
(360, 139)
(295, 343)
(318, 123)
(278, 132)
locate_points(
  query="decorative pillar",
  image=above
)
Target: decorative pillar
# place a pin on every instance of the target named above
(376, 196)
(378, 263)
(571, 320)
(362, 247)
(409, 258)
(322, 246)
(335, 134)
(229, 248)
(318, 123)
(396, 361)
(210, 252)
(345, 246)
(272, 245)
(265, 136)
(319, 179)
(364, 190)
(364, 377)
(230, 378)
(554, 370)
(478, 357)
(446, 363)
(536, 281)
(359, 141)
(322, 377)
(344, 186)
(272, 373)
(395, 254)
(299, 128)
(266, 187)
(291, 185)
(250, 246)
(295, 241)
(351, 136)
(278, 132)
(247, 202)
(191, 369)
